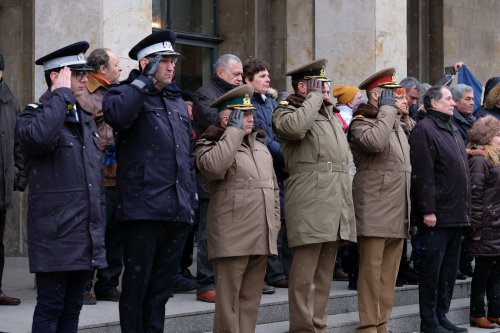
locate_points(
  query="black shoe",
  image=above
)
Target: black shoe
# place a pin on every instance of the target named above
(452, 328)
(461, 276)
(183, 285)
(352, 286)
(187, 274)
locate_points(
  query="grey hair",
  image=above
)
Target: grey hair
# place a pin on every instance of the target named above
(409, 83)
(459, 90)
(422, 88)
(223, 60)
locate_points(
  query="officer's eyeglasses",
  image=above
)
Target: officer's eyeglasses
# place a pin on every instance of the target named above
(79, 75)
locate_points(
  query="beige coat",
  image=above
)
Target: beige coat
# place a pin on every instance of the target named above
(318, 199)
(381, 186)
(243, 215)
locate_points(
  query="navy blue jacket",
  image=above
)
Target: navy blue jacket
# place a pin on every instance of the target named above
(66, 215)
(264, 108)
(440, 181)
(154, 151)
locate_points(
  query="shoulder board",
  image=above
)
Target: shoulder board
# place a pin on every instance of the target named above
(284, 103)
(359, 116)
(34, 105)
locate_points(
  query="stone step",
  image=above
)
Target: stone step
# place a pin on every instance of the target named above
(184, 314)
(405, 319)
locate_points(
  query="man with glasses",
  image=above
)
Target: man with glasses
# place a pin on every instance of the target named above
(441, 203)
(155, 180)
(66, 222)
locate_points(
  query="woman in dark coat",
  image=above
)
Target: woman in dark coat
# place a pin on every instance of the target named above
(484, 240)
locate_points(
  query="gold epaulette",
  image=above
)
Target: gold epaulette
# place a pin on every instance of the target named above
(359, 116)
(285, 103)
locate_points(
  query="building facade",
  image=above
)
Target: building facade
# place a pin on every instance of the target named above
(358, 37)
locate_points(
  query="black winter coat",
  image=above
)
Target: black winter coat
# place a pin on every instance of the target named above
(440, 181)
(66, 213)
(485, 216)
(11, 160)
(154, 151)
(204, 116)
(462, 123)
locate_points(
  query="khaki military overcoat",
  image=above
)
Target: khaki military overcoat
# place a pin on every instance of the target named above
(318, 199)
(243, 215)
(381, 185)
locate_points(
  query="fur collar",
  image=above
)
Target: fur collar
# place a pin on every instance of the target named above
(214, 133)
(296, 101)
(366, 110)
(479, 151)
(493, 97)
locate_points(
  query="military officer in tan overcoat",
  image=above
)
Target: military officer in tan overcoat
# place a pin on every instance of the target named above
(381, 193)
(318, 201)
(243, 218)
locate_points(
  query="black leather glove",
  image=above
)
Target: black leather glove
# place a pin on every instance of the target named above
(314, 85)
(236, 119)
(387, 97)
(152, 66)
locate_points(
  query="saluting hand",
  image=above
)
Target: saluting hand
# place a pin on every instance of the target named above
(62, 79)
(314, 85)
(236, 119)
(152, 66)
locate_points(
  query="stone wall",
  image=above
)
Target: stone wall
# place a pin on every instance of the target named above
(360, 37)
(472, 36)
(115, 24)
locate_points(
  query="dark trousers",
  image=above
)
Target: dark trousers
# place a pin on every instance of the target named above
(3, 215)
(486, 280)
(416, 251)
(204, 269)
(59, 301)
(151, 256)
(276, 269)
(109, 278)
(440, 257)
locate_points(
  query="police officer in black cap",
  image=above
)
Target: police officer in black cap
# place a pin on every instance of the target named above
(66, 199)
(155, 180)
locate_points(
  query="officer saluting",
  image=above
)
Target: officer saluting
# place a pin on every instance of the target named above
(318, 202)
(66, 200)
(243, 218)
(155, 180)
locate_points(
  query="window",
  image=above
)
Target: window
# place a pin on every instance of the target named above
(196, 28)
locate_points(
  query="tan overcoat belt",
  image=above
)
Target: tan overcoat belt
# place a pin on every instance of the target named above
(249, 183)
(320, 167)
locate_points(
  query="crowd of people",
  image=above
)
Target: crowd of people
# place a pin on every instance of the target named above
(274, 188)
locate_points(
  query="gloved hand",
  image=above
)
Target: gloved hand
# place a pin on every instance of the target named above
(314, 85)
(236, 119)
(387, 97)
(152, 66)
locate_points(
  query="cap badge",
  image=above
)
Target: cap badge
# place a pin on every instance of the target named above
(246, 99)
(322, 73)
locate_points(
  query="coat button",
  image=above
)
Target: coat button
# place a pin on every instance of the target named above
(90, 185)
(83, 147)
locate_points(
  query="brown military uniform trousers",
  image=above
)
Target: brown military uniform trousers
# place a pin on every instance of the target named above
(309, 286)
(239, 282)
(379, 259)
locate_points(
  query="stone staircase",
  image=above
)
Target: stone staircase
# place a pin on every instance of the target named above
(187, 316)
